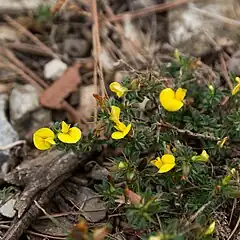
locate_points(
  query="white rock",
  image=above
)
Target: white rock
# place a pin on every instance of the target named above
(7, 210)
(54, 69)
(99, 173)
(197, 27)
(87, 101)
(7, 133)
(106, 60)
(23, 4)
(23, 100)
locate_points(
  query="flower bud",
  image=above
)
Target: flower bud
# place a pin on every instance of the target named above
(130, 176)
(122, 165)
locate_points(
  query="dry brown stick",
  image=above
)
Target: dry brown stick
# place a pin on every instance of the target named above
(225, 71)
(24, 76)
(23, 30)
(10, 55)
(145, 11)
(45, 236)
(184, 131)
(11, 145)
(41, 187)
(18, 226)
(97, 47)
(28, 48)
(36, 81)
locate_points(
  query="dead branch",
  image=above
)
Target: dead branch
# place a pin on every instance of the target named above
(40, 187)
(187, 132)
(145, 11)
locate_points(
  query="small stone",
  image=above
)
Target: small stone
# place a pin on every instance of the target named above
(99, 173)
(193, 27)
(23, 4)
(7, 210)
(106, 60)
(76, 47)
(87, 101)
(23, 101)
(54, 69)
(234, 64)
(90, 202)
(7, 133)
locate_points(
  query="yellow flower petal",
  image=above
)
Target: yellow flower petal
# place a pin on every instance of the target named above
(157, 162)
(168, 101)
(117, 88)
(236, 89)
(166, 167)
(120, 126)
(164, 164)
(237, 79)
(44, 133)
(115, 114)
(50, 140)
(210, 229)
(127, 129)
(40, 143)
(117, 135)
(42, 137)
(167, 93)
(180, 94)
(73, 135)
(168, 159)
(172, 105)
(65, 127)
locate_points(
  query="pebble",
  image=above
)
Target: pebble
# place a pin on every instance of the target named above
(7, 210)
(99, 173)
(23, 4)
(88, 200)
(234, 64)
(87, 101)
(76, 47)
(23, 101)
(7, 133)
(194, 27)
(54, 69)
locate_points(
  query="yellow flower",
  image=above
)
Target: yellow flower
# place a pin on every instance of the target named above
(69, 135)
(43, 138)
(210, 229)
(236, 89)
(165, 163)
(123, 130)
(203, 157)
(172, 101)
(115, 114)
(118, 89)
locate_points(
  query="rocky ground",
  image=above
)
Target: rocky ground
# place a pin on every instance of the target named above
(53, 58)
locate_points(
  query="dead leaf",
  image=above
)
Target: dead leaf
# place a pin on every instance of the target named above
(61, 88)
(132, 196)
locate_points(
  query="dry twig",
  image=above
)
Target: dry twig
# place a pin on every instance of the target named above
(23, 30)
(11, 145)
(145, 11)
(225, 71)
(189, 133)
